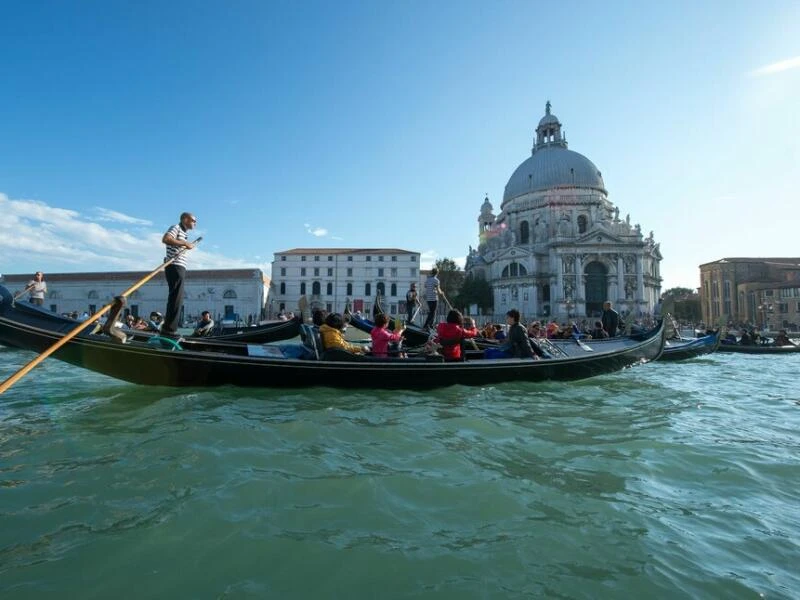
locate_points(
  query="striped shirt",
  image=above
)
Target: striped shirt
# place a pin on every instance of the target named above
(431, 286)
(177, 232)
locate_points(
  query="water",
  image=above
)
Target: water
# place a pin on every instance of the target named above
(671, 480)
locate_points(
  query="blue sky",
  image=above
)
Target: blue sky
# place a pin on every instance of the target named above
(376, 124)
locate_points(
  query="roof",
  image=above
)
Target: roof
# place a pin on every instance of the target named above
(135, 275)
(295, 251)
(787, 262)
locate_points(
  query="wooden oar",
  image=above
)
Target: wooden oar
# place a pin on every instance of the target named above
(26, 290)
(83, 325)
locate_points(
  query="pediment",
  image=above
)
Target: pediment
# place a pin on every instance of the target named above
(599, 236)
(512, 253)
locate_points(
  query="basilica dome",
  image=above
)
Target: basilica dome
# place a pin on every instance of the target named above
(552, 165)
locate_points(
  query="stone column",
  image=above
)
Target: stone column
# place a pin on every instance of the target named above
(640, 278)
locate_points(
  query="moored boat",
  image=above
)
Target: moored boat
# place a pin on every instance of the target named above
(270, 366)
(686, 348)
(757, 348)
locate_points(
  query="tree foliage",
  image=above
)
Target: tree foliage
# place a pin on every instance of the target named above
(475, 290)
(683, 304)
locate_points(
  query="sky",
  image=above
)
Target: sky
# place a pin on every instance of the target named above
(376, 124)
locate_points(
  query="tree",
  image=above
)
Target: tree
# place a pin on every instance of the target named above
(475, 290)
(451, 277)
(683, 304)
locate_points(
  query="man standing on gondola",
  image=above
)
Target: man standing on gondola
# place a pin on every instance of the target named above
(432, 291)
(610, 319)
(176, 239)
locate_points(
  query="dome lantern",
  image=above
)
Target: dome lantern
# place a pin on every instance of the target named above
(548, 133)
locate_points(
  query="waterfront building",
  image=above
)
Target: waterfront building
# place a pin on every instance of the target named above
(333, 278)
(230, 294)
(759, 291)
(558, 247)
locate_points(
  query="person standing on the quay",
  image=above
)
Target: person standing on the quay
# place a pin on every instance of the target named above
(610, 319)
(432, 291)
(175, 239)
(412, 302)
(37, 288)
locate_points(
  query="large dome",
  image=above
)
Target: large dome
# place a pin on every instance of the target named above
(550, 167)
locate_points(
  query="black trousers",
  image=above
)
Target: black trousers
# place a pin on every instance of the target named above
(432, 304)
(175, 276)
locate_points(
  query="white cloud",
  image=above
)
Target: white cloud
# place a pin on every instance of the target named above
(35, 235)
(118, 217)
(315, 231)
(777, 67)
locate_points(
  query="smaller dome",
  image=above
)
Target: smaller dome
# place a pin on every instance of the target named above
(486, 207)
(548, 119)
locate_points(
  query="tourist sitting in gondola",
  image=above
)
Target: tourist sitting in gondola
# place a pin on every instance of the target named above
(155, 322)
(451, 333)
(332, 335)
(382, 338)
(204, 326)
(518, 344)
(782, 339)
(469, 342)
(745, 339)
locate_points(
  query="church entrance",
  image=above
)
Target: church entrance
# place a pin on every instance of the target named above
(596, 288)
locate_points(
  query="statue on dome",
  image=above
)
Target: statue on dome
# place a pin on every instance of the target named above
(616, 214)
(628, 219)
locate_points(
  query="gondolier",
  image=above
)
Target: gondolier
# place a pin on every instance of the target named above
(432, 291)
(37, 288)
(175, 239)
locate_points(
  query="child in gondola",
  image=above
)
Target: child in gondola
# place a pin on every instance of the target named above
(381, 336)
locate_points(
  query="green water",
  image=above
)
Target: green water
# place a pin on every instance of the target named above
(668, 480)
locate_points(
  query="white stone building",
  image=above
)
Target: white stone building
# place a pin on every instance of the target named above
(333, 278)
(226, 293)
(558, 247)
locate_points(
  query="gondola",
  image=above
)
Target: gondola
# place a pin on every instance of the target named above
(275, 331)
(685, 348)
(268, 366)
(757, 348)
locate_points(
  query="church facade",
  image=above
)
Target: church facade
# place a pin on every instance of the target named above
(558, 247)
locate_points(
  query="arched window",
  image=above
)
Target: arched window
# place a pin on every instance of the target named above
(93, 295)
(315, 288)
(283, 288)
(303, 288)
(524, 233)
(393, 289)
(349, 289)
(329, 289)
(582, 223)
(367, 289)
(229, 294)
(381, 288)
(514, 270)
